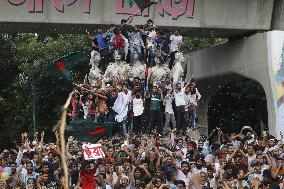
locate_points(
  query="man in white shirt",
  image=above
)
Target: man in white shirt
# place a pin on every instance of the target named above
(30, 174)
(138, 110)
(187, 97)
(121, 108)
(179, 95)
(169, 112)
(176, 42)
(184, 173)
(195, 96)
(151, 48)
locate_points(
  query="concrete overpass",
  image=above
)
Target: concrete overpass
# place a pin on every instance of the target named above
(259, 57)
(226, 18)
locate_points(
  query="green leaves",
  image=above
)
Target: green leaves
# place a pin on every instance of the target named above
(194, 44)
(22, 57)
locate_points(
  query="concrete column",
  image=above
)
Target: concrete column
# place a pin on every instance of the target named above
(253, 57)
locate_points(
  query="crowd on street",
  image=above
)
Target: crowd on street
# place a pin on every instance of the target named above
(242, 160)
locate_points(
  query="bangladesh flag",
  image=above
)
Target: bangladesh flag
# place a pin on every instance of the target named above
(88, 131)
(64, 65)
(143, 4)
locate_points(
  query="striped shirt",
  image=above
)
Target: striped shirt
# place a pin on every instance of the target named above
(25, 177)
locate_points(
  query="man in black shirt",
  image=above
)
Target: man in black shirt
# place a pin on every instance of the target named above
(155, 97)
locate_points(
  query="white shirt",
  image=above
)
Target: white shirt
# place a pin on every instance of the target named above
(150, 38)
(253, 175)
(138, 107)
(187, 101)
(179, 97)
(197, 171)
(168, 86)
(25, 177)
(86, 109)
(193, 98)
(185, 179)
(168, 104)
(176, 41)
(121, 105)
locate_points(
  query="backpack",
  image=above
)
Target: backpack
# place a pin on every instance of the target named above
(118, 42)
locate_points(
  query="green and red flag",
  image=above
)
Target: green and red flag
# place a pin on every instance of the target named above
(64, 65)
(88, 131)
(143, 4)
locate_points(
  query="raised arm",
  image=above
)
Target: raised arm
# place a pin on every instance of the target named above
(89, 35)
(130, 19)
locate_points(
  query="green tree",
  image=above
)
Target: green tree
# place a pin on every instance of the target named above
(195, 43)
(27, 56)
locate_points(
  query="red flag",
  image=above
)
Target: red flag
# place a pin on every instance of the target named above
(147, 72)
(60, 65)
(97, 132)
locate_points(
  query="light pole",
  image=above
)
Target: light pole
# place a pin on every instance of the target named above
(34, 107)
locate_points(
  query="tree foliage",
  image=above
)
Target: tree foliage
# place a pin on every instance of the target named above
(27, 56)
(194, 44)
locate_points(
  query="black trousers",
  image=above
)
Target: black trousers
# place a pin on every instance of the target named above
(137, 124)
(156, 120)
(172, 59)
(180, 121)
(105, 58)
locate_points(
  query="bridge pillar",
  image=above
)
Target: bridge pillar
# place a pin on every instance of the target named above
(258, 57)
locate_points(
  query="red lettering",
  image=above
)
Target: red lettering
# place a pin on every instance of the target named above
(33, 5)
(17, 2)
(70, 2)
(190, 8)
(97, 151)
(175, 11)
(39, 6)
(59, 4)
(174, 8)
(87, 6)
(88, 152)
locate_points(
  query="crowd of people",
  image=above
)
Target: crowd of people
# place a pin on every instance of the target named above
(139, 104)
(149, 161)
(157, 145)
(147, 40)
(137, 109)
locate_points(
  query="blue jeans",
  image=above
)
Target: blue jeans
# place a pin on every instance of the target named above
(138, 50)
(122, 128)
(151, 57)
